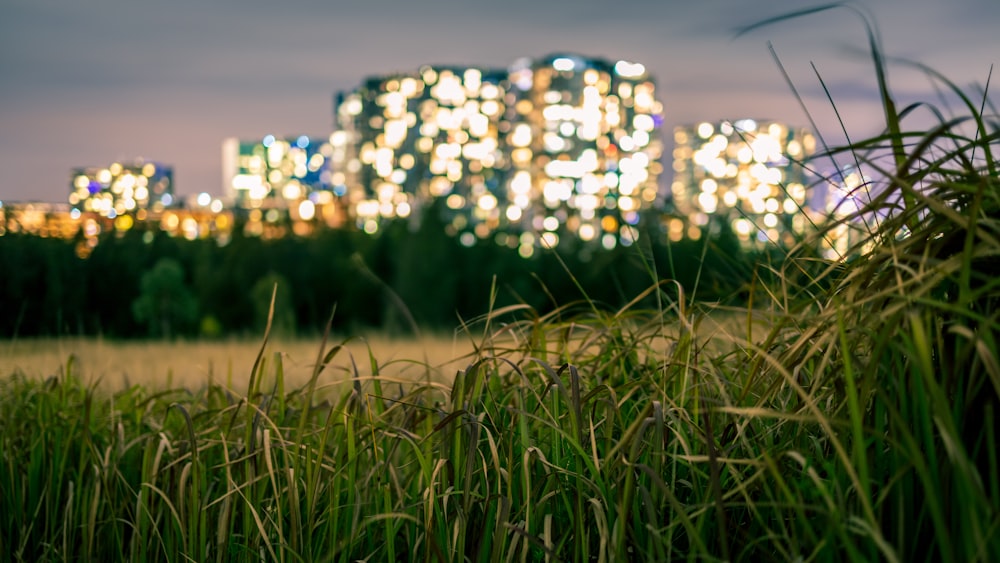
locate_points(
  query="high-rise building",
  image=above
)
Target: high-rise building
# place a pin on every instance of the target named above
(844, 211)
(122, 189)
(278, 184)
(408, 139)
(557, 144)
(746, 173)
(274, 172)
(585, 147)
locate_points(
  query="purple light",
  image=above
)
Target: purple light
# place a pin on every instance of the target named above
(94, 187)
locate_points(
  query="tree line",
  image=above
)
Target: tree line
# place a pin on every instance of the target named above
(140, 284)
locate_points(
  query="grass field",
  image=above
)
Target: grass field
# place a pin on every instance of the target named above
(855, 419)
(160, 365)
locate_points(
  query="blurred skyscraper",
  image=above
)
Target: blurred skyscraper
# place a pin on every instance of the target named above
(562, 144)
(122, 189)
(747, 174)
(275, 181)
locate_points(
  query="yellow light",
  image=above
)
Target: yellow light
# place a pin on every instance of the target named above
(123, 222)
(521, 136)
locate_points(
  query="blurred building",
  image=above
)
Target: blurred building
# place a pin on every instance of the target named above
(585, 148)
(558, 145)
(845, 213)
(408, 139)
(746, 173)
(280, 184)
(122, 189)
(39, 219)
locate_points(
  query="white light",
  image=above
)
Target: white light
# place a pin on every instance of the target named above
(629, 70)
(307, 210)
(488, 202)
(563, 64)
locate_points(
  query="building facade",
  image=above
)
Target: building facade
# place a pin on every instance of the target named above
(122, 189)
(280, 184)
(747, 174)
(558, 145)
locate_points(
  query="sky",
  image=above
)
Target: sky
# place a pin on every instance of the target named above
(91, 82)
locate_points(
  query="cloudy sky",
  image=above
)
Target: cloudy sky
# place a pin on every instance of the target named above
(88, 82)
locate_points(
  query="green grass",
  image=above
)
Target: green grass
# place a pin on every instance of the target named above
(850, 415)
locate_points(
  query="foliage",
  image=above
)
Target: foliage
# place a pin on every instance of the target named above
(372, 279)
(283, 321)
(165, 302)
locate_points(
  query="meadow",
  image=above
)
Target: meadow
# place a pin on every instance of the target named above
(847, 412)
(115, 365)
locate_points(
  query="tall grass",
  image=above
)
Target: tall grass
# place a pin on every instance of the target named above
(851, 414)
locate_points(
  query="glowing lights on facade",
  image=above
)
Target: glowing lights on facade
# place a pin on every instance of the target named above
(122, 189)
(557, 145)
(275, 172)
(848, 216)
(410, 139)
(746, 173)
(284, 185)
(561, 149)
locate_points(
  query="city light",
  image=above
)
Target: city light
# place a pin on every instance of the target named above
(561, 138)
(121, 188)
(747, 174)
(549, 150)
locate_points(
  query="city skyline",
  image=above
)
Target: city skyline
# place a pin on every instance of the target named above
(169, 84)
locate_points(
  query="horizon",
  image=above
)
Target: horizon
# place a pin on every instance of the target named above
(117, 84)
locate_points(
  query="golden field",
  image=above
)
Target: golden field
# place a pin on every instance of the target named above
(191, 364)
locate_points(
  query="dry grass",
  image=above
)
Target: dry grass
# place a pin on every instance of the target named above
(192, 364)
(158, 365)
